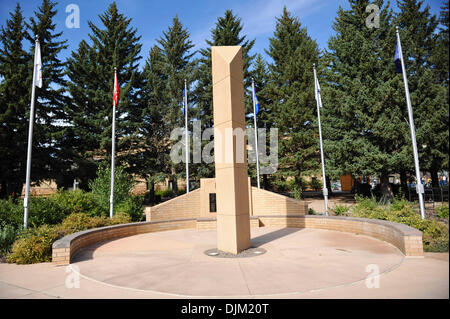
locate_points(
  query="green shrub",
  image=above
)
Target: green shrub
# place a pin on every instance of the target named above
(34, 245)
(11, 213)
(101, 186)
(132, 206)
(315, 184)
(79, 201)
(442, 211)
(340, 210)
(164, 193)
(45, 211)
(435, 234)
(8, 235)
(311, 211)
(120, 218)
(81, 221)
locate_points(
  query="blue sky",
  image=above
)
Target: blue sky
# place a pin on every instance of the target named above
(151, 17)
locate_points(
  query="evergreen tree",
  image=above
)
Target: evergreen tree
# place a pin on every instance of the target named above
(291, 90)
(170, 63)
(264, 118)
(15, 84)
(91, 73)
(227, 31)
(429, 98)
(364, 110)
(51, 98)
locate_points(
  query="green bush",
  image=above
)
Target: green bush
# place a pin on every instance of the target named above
(101, 186)
(11, 213)
(435, 234)
(79, 201)
(315, 184)
(34, 245)
(164, 193)
(81, 221)
(132, 206)
(8, 235)
(340, 210)
(120, 218)
(442, 211)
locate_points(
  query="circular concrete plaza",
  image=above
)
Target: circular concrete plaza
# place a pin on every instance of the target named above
(174, 263)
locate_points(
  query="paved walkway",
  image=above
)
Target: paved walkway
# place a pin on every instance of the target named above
(299, 263)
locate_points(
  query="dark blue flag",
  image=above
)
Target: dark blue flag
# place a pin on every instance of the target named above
(398, 62)
(256, 104)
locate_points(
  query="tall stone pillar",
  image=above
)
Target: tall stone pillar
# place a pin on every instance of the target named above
(232, 196)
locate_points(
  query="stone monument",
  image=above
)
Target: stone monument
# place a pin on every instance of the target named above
(233, 223)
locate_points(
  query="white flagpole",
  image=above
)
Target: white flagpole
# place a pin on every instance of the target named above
(186, 135)
(30, 139)
(113, 150)
(319, 105)
(256, 133)
(419, 187)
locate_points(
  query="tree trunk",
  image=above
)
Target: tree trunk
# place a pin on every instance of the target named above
(174, 182)
(265, 182)
(403, 183)
(434, 177)
(386, 189)
(330, 191)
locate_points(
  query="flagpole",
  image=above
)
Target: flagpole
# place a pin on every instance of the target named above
(322, 157)
(419, 187)
(30, 141)
(186, 135)
(113, 150)
(256, 133)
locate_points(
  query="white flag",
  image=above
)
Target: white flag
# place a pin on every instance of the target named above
(317, 92)
(38, 65)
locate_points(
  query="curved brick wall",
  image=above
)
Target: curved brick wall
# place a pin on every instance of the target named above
(407, 239)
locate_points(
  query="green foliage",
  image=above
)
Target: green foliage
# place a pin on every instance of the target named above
(11, 213)
(101, 186)
(90, 70)
(79, 221)
(315, 184)
(14, 104)
(291, 92)
(131, 207)
(165, 193)
(442, 211)
(340, 210)
(8, 235)
(435, 234)
(311, 211)
(79, 201)
(34, 245)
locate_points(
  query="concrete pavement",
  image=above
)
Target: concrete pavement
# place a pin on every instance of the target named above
(299, 263)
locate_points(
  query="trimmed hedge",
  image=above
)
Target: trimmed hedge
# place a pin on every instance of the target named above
(34, 245)
(435, 234)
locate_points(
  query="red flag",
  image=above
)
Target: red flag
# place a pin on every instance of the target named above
(116, 93)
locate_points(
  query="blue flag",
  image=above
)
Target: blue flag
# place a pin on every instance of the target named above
(398, 62)
(256, 103)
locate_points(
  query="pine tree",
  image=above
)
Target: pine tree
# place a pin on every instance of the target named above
(15, 83)
(429, 98)
(291, 89)
(169, 65)
(227, 31)
(264, 118)
(364, 109)
(51, 98)
(91, 73)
